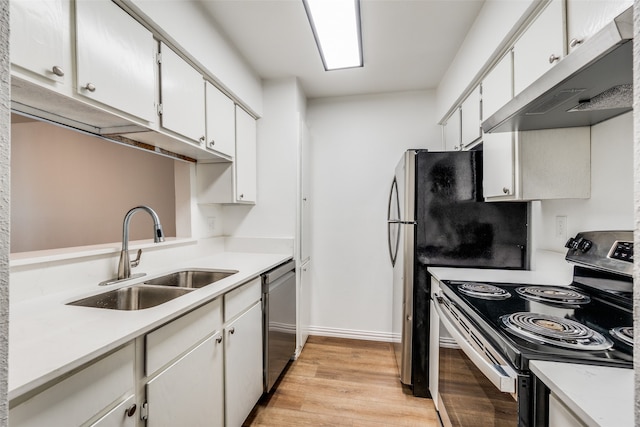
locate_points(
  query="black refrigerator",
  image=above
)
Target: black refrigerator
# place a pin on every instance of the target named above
(437, 217)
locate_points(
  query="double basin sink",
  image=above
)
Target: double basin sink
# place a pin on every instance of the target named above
(154, 292)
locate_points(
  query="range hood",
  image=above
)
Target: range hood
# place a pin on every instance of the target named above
(592, 84)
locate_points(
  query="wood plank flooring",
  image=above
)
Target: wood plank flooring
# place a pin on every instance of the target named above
(342, 382)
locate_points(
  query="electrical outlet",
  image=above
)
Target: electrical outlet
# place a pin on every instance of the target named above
(211, 223)
(561, 227)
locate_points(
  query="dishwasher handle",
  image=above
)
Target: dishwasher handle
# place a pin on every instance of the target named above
(279, 271)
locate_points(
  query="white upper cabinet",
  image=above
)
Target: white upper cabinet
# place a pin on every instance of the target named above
(540, 47)
(497, 86)
(537, 165)
(471, 115)
(182, 96)
(586, 17)
(452, 131)
(220, 114)
(40, 37)
(245, 161)
(115, 59)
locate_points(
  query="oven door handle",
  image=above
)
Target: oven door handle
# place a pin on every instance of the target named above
(501, 376)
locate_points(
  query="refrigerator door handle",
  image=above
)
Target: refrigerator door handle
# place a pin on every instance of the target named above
(393, 252)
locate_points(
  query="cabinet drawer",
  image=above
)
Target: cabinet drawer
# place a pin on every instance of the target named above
(241, 298)
(170, 341)
(81, 396)
(118, 417)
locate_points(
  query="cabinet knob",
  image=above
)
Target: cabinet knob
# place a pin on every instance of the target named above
(553, 58)
(202, 139)
(574, 42)
(90, 87)
(58, 71)
(219, 339)
(131, 410)
(242, 196)
(232, 330)
(212, 142)
(505, 190)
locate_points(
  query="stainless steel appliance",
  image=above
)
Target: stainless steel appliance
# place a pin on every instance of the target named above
(500, 327)
(436, 217)
(279, 326)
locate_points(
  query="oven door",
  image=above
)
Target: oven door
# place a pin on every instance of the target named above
(476, 386)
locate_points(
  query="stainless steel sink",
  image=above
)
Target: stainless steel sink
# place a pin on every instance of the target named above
(137, 297)
(191, 278)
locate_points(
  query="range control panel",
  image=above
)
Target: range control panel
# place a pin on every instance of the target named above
(622, 251)
(602, 250)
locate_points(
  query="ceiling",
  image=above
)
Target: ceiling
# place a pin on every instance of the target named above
(407, 44)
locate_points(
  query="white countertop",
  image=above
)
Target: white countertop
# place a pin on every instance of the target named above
(48, 338)
(598, 395)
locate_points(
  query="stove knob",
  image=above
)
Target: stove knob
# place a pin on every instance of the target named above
(571, 243)
(585, 245)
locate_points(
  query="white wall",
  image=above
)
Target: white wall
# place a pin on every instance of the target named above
(610, 206)
(274, 215)
(356, 143)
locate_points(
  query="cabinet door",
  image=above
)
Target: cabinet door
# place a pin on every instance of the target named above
(243, 365)
(586, 17)
(245, 161)
(191, 391)
(305, 192)
(304, 305)
(221, 121)
(452, 132)
(470, 118)
(498, 165)
(182, 94)
(497, 86)
(37, 37)
(115, 58)
(540, 47)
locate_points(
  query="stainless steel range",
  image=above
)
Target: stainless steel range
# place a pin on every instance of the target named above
(500, 327)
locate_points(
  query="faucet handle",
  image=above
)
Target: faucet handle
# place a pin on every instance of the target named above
(136, 261)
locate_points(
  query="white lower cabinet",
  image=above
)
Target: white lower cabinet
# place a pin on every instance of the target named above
(242, 352)
(85, 396)
(190, 392)
(123, 415)
(560, 415)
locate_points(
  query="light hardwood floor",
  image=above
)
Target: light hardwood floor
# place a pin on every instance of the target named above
(341, 382)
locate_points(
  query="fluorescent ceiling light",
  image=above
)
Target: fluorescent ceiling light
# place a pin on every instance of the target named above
(336, 28)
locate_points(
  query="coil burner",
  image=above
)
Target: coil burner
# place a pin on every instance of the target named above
(553, 295)
(483, 290)
(554, 330)
(624, 334)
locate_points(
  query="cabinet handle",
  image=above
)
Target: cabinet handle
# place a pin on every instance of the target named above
(574, 42)
(131, 410)
(242, 196)
(232, 330)
(219, 339)
(505, 190)
(90, 87)
(58, 71)
(202, 139)
(553, 58)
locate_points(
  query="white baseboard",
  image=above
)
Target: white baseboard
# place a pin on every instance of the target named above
(351, 334)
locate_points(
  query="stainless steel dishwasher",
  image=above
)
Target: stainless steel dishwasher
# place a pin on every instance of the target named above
(279, 327)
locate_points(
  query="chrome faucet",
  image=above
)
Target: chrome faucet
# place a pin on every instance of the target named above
(125, 265)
